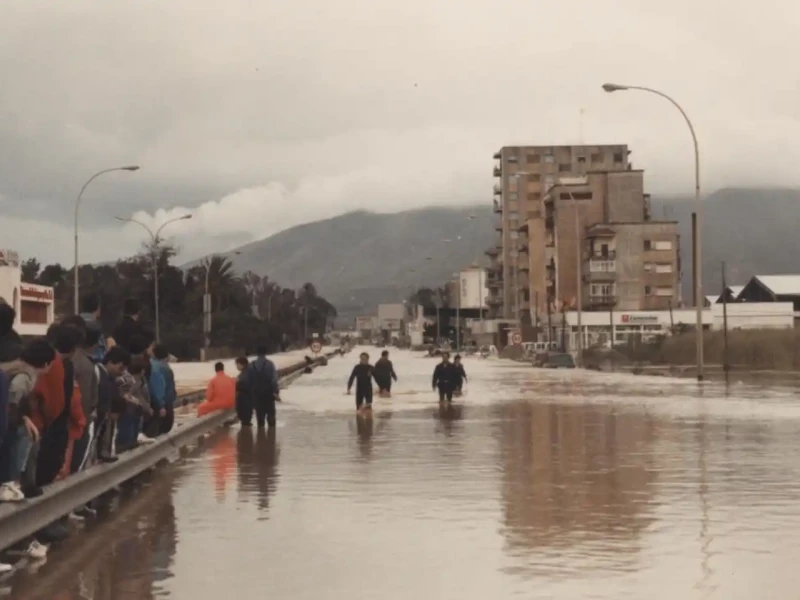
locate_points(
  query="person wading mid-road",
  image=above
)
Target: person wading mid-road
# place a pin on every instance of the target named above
(261, 382)
(445, 378)
(363, 374)
(460, 373)
(384, 374)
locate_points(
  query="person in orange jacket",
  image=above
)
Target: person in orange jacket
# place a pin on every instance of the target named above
(220, 393)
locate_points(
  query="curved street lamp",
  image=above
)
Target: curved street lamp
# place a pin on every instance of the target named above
(155, 239)
(77, 211)
(698, 283)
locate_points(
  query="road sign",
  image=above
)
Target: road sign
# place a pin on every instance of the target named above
(316, 347)
(516, 339)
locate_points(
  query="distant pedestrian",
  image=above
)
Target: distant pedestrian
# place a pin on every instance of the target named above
(384, 374)
(131, 327)
(244, 400)
(460, 375)
(445, 379)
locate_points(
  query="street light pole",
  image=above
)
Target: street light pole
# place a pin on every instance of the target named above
(698, 280)
(76, 279)
(155, 239)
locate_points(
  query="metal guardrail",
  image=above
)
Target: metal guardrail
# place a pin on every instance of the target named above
(20, 520)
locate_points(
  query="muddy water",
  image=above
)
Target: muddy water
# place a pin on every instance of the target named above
(538, 485)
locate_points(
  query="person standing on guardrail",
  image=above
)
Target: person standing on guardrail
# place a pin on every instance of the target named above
(21, 433)
(130, 330)
(110, 403)
(86, 377)
(158, 386)
(262, 383)
(90, 313)
(171, 395)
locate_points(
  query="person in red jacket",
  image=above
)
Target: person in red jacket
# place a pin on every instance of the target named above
(220, 394)
(58, 414)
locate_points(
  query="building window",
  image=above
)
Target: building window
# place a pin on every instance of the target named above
(618, 158)
(549, 159)
(549, 180)
(648, 290)
(664, 292)
(581, 160)
(597, 158)
(514, 234)
(513, 216)
(512, 159)
(533, 159)
(663, 245)
(564, 167)
(33, 312)
(601, 289)
(534, 178)
(648, 267)
(513, 196)
(664, 268)
(648, 245)
(534, 196)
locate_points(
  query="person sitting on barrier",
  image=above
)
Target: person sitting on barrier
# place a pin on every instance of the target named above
(244, 401)
(220, 393)
(262, 384)
(110, 403)
(21, 433)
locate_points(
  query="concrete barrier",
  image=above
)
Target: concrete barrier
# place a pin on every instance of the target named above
(20, 520)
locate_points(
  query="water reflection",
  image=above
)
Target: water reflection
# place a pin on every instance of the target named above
(257, 466)
(576, 479)
(125, 556)
(448, 417)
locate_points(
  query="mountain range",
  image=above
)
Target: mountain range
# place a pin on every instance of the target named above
(360, 259)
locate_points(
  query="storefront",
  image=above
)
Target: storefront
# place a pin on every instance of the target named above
(35, 304)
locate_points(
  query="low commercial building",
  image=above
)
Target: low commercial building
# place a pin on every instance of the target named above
(391, 317)
(772, 288)
(34, 304)
(619, 327)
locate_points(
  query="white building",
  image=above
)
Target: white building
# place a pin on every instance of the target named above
(391, 316)
(35, 304)
(473, 290)
(598, 327)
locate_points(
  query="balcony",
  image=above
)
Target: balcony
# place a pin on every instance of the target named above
(494, 301)
(498, 225)
(600, 301)
(497, 155)
(498, 208)
(600, 269)
(498, 189)
(498, 170)
(493, 251)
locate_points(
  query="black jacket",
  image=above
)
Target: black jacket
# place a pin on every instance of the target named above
(384, 369)
(445, 376)
(460, 373)
(362, 375)
(10, 347)
(127, 330)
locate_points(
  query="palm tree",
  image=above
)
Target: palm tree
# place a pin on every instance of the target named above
(220, 275)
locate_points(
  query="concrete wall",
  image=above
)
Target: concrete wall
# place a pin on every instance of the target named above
(624, 196)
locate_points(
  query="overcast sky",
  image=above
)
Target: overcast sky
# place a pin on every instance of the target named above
(256, 116)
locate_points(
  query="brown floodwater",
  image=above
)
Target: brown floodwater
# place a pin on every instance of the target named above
(538, 484)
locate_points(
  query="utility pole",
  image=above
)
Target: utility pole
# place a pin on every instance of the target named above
(725, 364)
(579, 266)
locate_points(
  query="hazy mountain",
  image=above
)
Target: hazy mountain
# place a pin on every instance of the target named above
(360, 259)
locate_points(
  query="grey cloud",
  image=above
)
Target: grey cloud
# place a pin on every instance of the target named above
(315, 108)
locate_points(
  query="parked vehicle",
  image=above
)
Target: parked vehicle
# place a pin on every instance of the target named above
(559, 360)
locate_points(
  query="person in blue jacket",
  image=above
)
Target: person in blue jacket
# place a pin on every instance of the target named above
(157, 385)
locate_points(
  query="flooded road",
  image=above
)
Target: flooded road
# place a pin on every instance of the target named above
(539, 484)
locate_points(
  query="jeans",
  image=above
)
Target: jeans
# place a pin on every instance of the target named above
(20, 451)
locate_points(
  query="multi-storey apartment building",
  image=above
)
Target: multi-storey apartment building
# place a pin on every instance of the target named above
(582, 226)
(524, 174)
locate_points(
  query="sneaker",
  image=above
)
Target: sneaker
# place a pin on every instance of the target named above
(36, 550)
(143, 439)
(86, 512)
(11, 492)
(6, 568)
(74, 516)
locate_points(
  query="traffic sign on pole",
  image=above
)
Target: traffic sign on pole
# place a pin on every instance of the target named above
(316, 347)
(516, 338)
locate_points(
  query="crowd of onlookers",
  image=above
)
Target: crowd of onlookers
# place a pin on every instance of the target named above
(75, 398)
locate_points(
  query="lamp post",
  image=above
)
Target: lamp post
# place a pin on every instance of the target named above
(155, 239)
(76, 279)
(613, 87)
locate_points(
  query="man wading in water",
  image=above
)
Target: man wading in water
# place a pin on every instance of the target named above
(384, 374)
(445, 379)
(362, 375)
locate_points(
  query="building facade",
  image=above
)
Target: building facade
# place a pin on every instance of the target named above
(524, 175)
(34, 304)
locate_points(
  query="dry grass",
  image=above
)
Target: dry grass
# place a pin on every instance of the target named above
(755, 349)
